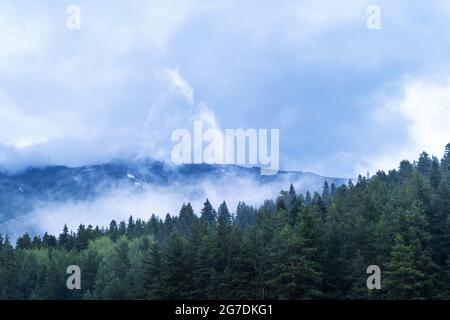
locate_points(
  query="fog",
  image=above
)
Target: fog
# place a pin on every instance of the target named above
(144, 200)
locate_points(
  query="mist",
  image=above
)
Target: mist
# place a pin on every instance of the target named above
(143, 200)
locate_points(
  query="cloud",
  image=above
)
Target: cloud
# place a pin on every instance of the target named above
(426, 108)
(135, 72)
(124, 201)
(423, 112)
(178, 83)
(24, 34)
(169, 113)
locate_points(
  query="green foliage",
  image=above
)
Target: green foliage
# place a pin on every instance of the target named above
(296, 247)
(404, 280)
(8, 275)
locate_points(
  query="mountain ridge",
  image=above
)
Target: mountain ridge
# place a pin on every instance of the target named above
(24, 191)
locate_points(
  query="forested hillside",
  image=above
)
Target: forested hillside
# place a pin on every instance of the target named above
(298, 246)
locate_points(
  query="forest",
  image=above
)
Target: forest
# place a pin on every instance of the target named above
(297, 246)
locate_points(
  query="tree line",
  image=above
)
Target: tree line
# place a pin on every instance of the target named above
(297, 246)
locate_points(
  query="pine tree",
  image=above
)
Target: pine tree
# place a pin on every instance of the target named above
(27, 270)
(24, 242)
(222, 250)
(309, 230)
(424, 164)
(113, 231)
(8, 275)
(445, 163)
(51, 285)
(49, 241)
(406, 170)
(308, 198)
(153, 286)
(131, 228)
(118, 287)
(333, 190)
(294, 205)
(122, 228)
(82, 238)
(335, 249)
(245, 216)
(208, 214)
(203, 273)
(185, 220)
(176, 271)
(435, 174)
(243, 274)
(121, 262)
(89, 266)
(403, 279)
(291, 273)
(36, 243)
(439, 222)
(64, 238)
(326, 194)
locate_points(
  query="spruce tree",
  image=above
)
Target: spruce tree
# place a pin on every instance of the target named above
(208, 214)
(445, 163)
(64, 238)
(185, 220)
(153, 287)
(222, 250)
(403, 278)
(203, 273)
(294, 206)
(176, 271)
(439, 222)
(8, 273)
(424, 164)
(435, 174)
(24, 242)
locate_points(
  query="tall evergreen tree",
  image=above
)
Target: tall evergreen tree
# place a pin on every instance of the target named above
(435, 174)
(8, 275)
(403, 279)
(445, 163)
(153, 270)
(208, 214)
(439, 222)
(222, 250)
(176, 272)
(24, 242)
(424, 164)
(185, 220)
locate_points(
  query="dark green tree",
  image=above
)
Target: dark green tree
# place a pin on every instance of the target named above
(208, 214)
(153, 286)
(403, 279)
(8, 273)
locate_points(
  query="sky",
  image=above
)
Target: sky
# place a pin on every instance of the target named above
(347, 99)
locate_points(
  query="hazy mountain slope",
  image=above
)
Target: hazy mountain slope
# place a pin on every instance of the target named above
(37, 189)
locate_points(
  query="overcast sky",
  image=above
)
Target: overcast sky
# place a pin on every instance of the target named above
(345, 98)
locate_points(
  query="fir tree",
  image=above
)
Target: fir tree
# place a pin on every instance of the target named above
(403, 279)
(8, 275)
(208, 214)
(152, 276)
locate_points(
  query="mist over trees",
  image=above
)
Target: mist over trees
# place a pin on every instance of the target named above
(297, 246)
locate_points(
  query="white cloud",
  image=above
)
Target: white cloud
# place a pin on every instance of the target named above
(124, 201)
(97, 84)
(425, 110)
(174, 109)
(427, 107)
(23, 34)
(23, 127)
(178, 83)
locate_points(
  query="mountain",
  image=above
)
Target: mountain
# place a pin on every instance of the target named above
(35, 188)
